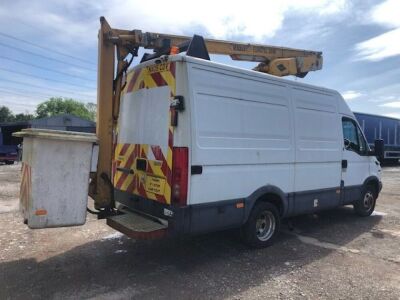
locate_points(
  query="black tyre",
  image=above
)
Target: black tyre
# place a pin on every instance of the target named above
(366, 205)
(263, 225)
(9, 162)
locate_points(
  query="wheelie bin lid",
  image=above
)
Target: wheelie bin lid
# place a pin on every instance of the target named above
(57, 135)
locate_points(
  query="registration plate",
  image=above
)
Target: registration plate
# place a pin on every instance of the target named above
(155, 185)
(163, 67)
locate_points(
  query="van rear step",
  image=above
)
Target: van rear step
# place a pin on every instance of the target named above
(137, 226)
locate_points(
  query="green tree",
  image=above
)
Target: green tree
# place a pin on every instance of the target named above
(58, 106)
(92, 108)
(24, 117)
(6, 114)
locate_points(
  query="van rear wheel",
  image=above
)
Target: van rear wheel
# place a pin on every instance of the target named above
(263, 225)
(366, 205)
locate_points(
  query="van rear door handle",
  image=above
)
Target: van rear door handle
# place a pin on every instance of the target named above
(125, 170)
(344, 164)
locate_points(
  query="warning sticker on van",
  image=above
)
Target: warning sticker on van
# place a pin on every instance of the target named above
(155, 185)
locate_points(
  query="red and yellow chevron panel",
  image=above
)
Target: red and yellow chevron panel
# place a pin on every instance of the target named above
(152, 183)
(26, 185)
(153, 76)
(155, 181)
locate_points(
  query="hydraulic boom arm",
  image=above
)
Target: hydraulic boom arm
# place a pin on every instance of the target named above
(279, 61)
(117, 43)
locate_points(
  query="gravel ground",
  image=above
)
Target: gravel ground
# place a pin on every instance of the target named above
(332, 255)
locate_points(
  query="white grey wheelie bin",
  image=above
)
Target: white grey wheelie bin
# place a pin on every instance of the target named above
(55, 177)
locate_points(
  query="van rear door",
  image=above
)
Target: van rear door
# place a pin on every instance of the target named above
(143, 153)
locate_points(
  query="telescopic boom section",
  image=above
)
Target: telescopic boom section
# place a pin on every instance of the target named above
(279, 61)
(117, 43)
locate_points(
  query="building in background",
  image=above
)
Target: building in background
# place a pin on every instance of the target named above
(9, 143)
(385, 128)
(65, 122)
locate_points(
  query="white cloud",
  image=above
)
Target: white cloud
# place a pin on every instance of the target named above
(221, 19)
(381, 46)
(387, 13)
(350, 95)
(387, 44)
(394, 104)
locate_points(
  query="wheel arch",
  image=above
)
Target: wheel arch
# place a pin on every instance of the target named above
(267, 193)
(374, 181)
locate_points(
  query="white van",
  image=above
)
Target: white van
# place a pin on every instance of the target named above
(203, 146)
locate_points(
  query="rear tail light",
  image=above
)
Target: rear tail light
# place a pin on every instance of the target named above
(180, 161)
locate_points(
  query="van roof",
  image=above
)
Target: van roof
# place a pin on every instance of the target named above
(343, 107)
(195, 60)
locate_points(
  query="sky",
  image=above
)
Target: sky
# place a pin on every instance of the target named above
(49, 48)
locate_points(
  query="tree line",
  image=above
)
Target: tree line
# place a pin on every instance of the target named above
(52, 107)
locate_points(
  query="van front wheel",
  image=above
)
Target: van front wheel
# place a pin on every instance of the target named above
(263, 225)
(366, 205)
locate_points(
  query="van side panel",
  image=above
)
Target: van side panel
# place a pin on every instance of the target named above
(242, 134)
(318, 150)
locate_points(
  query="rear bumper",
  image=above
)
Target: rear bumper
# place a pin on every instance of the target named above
(190, 219)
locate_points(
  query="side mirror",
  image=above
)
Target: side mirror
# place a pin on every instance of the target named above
(379, 149)
(346, 144)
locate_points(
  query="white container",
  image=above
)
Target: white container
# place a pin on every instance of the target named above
(55, 177)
